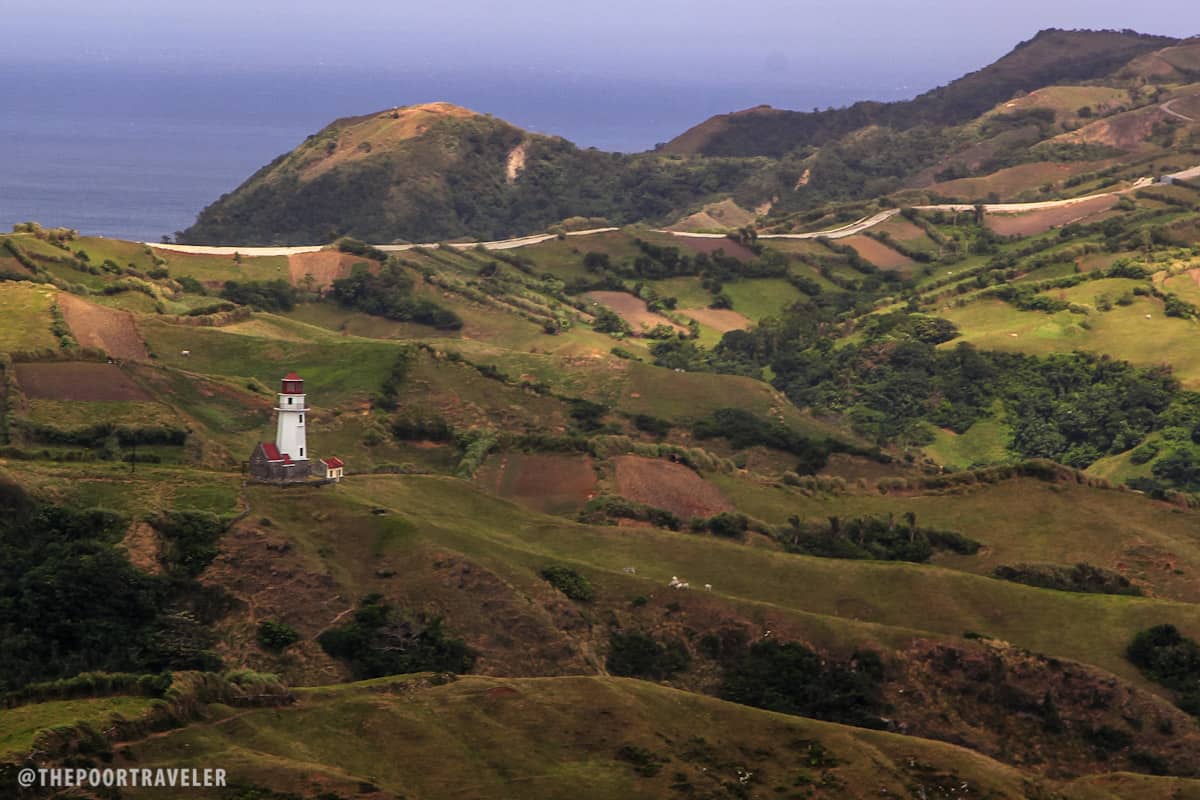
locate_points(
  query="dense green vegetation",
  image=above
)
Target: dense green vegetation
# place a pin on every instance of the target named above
(1077, 578)
(885, 539)
(388, 294)
(637, 655)
(381, 640)
(71, 602)
(790, 678)
(1168, 657)
(569, 582)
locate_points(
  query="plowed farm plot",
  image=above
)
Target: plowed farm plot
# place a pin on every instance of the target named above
(633, 310)
(666, 484)
(325, 266)
(108, 329)
(554, 484)
(1034, 222)
(879, 253)
(78, 380)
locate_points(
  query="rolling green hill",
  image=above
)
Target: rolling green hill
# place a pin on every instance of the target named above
(907, 510)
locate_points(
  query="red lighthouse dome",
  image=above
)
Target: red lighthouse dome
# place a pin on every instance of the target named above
(292, 384)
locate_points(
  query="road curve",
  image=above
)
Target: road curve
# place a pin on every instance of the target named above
(291, 250)
(1167, 108)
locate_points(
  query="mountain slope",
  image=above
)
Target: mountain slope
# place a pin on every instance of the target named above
(1053, 56)
(436, 171)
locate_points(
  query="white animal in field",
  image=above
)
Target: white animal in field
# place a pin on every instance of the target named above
(185, 353)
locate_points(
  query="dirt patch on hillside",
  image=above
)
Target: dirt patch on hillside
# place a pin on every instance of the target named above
(633, 310)
(665, 484)
(719, 319)
(878, 253)
(142, 547)
(325, 266)
(1034, 222)
(1126, 131)
(107, 329)
(12, 266)
(78, 380)
(548, 483)
(714, 216)
(515, 164)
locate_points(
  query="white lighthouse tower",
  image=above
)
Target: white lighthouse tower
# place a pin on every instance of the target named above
(289, 433)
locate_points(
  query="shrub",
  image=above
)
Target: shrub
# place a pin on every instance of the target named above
(790, 678)
(1078, 578)
(637, 655)
(276, 635)
(1169, 658)
(276, 295)
(569, 582)
(380, 640)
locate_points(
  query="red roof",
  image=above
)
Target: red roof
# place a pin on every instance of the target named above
(332, 461)
(272, 451)
(287, 460)
(291, 376)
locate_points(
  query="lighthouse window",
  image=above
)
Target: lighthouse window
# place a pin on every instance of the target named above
(302, 452)
(301, 419)
(289, 401)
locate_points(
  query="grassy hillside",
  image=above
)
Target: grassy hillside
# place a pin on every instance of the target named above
(592, 737)
(868, 514)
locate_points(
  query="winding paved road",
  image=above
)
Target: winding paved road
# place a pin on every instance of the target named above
(1167, 108)
(834, 233)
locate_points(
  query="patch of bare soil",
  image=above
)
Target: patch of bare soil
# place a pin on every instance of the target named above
(633, 310)
(78, 380)
(142, 546)
(1126, 131)
(666, 484)
(107, 329)
(878, 253)
(723, 214)
(1033, 222)
(719, 319)
(548, 483)
(325, 266)
(515, 163)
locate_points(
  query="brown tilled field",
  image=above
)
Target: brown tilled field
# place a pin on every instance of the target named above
(632, 309)
(719, 319)
(665, 484)
(78, 380)
(107, 329)
(325, 266)
(1034, 222)
(878, 253)
(550, 483)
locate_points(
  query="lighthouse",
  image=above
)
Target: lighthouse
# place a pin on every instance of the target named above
(287, 460)
(289, 429)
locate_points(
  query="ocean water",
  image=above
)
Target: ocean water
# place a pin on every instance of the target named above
(136, 154)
